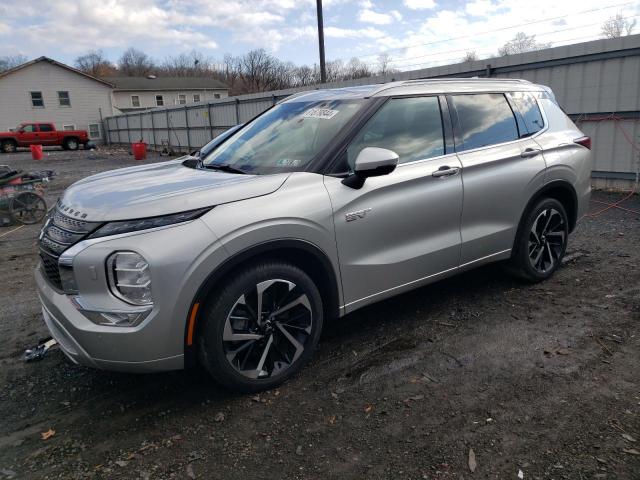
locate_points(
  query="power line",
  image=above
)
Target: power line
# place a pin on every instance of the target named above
(496, 29)
(467, 49)
(488, 54)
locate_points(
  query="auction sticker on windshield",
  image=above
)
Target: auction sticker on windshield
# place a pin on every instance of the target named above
(324, 113)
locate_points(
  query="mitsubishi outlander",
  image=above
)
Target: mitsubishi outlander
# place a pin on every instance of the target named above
(328, 201)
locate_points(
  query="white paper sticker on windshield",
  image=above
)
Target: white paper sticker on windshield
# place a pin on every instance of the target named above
(323, 113)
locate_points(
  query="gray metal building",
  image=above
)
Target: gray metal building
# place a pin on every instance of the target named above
(597, 83)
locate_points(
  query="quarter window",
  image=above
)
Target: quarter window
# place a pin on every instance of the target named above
(63, 99)
(484, 119)
(135, 100)
(411, 127)
(528, 107)
(36, 99)
(159, 101)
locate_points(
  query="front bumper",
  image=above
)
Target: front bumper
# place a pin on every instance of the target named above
(92, 345)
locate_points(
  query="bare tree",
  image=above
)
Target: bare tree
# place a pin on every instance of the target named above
(304, 76)
(335, 70)
(134, 63)
(356, 68)
(11, 61)
(192, 64)
(521, 43)
(618, 26)
(95, 63)
(470, 56)
(384, 64)
(257, 70)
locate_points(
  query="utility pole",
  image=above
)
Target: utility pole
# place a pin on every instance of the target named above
(323, 72)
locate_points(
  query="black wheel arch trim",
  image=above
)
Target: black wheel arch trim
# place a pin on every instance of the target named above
(290, 245)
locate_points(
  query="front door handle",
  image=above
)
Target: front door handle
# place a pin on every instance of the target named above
(445, 171)
(530, 152)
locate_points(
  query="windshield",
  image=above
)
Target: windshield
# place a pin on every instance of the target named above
(286, 138)
(208, 148)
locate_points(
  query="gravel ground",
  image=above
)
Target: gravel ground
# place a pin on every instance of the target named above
(538, 380)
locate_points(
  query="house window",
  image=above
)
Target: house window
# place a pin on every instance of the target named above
(196, 97)
(68, 127)
(63, 99)
(159, 101)
(135, 100)
(94, 130)
(37, 100)
(216, 95)
(182, 99)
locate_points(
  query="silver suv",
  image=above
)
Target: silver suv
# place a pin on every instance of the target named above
(327, 202)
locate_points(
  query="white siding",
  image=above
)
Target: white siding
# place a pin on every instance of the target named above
(87, 97)
(122, 98)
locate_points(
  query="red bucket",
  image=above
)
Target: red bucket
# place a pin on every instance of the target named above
(36, 152)
(139, 150)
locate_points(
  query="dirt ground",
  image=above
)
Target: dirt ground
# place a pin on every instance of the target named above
(540, 381)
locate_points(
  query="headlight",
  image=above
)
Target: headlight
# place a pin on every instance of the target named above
(126, 226)
(129, 278)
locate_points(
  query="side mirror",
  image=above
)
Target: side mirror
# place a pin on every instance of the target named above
(371, 162)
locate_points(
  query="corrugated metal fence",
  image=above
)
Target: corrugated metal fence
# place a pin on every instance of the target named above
(597, 83)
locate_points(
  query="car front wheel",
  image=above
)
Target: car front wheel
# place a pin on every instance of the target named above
(262, 327)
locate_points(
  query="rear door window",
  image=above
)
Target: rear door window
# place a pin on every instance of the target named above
(484, 119)
(528, 107)
(45, 127)
(411, 127)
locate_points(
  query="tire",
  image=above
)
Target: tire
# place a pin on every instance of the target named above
(9, 146)
(232, 342)
(541, 241)
(71, 143)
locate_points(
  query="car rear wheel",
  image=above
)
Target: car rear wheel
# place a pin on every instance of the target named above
(262, 327)
(542, 241)
(71, 144)
(9, 146)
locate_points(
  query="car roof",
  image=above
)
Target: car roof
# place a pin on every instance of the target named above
(418, 87)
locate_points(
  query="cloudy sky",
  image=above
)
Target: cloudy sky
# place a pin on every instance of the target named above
(415, 33)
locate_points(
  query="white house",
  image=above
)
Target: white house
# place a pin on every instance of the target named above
(139, 93)
(44, 90)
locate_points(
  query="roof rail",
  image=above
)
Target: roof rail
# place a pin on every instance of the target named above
(419, 81)
(464, 79)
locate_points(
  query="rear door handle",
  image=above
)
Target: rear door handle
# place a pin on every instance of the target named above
(445, 171)
(530, 152)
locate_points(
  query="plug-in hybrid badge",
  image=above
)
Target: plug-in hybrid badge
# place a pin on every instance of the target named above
(350, 217)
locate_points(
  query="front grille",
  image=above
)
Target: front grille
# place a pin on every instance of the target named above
(58, 234)
(71, 224)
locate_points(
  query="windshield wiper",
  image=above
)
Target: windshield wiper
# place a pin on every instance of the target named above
(223, 167)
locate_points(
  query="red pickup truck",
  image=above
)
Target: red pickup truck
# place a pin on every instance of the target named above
(44, 134)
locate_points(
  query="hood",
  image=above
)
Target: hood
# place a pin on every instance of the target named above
(161, 189)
